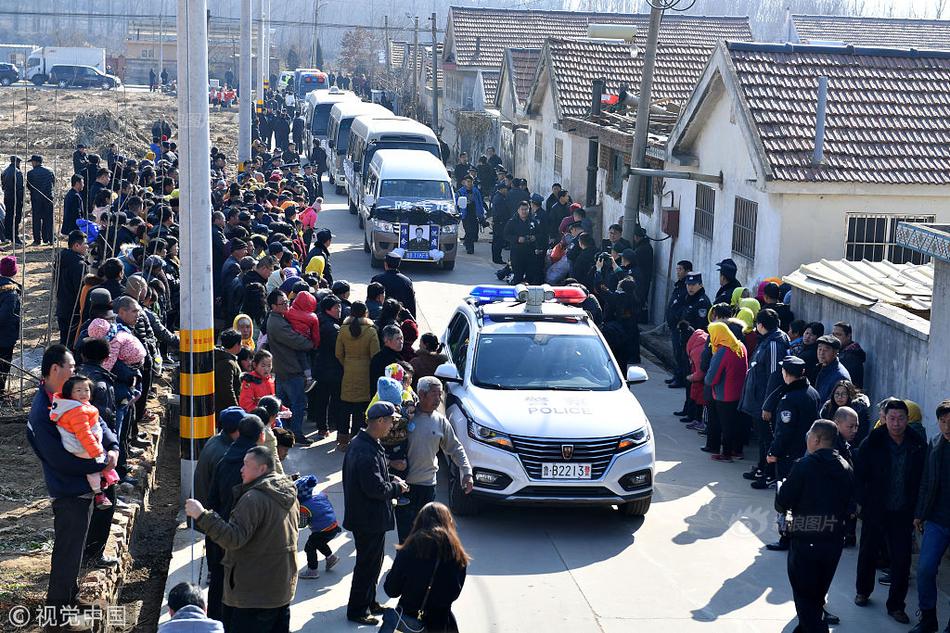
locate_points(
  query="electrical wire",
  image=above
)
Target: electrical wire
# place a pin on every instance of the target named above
(671, 5)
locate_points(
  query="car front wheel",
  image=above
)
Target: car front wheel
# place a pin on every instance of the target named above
(5, 81)
(460, 503)
(636, 508)
(106, 85)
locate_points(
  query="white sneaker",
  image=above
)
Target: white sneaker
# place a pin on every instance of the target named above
(309, 574)
(332, 560)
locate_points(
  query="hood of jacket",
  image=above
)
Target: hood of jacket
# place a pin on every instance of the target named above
(278, 488)
(305, 301)
(699, 338)
(61, 406)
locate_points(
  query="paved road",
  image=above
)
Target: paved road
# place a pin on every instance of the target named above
(696, 563)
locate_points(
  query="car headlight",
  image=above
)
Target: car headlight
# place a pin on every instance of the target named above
(450, 229)
(383, 226)
(489, 436)
(637, 438)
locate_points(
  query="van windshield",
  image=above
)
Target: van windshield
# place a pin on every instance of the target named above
(321, 118)
(423, 189)
(343, 136)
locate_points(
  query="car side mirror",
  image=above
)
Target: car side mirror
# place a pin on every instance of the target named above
(448, 373)
(636, 375)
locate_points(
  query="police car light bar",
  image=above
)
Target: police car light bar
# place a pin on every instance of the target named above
(570, 294)
(562, 294)
(490, 294)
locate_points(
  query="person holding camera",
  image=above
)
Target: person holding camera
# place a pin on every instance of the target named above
(521, 233)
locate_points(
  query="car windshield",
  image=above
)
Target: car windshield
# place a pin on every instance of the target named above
(428, 189)
(544, 361)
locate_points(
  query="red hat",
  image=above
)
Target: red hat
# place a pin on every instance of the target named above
(8, 266)
(577, 205)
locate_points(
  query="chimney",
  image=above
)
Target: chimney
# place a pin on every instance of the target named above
(478, 47)
(597, 94)
(818, 156)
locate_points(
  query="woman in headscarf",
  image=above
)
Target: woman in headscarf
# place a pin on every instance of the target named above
(245, 327)
(725, 376)
(738, 294)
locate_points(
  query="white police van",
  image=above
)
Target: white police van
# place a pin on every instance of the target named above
(541, 405)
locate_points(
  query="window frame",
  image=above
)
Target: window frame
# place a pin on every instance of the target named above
(558, 155)
(886, 247)
(538, 146)
(743, 231)
(703, 216)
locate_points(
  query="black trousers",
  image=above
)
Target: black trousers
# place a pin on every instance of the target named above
(497, 246)
(731, 423)
(238, 620)
(520, 262)
(98, 533)
(347, 409)
(68, 324)
(319, 542)
(6, 357)
(895, 530)
(324, 406)
(11, 223)
(763, 431)
(405, 515)
(369, 562)
(811, 568)
(71, 517)
(470, 223)
(214, 554)
(713, 429)
(42, 224)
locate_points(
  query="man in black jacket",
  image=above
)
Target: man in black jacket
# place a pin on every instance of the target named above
(368, 492)
(390, 352)
(324, 400)
(818, 493)
(500, 214)
(887, 473)
(72, 268)
(674, 313)
(932, 519)
(13, 192)
(521, 233)
(73, 208)
(696, 304)
(397, 285)
(727, 280)
(40, 181)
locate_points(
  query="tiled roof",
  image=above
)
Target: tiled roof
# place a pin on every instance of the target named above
(490, 82)
(862, 31)
(523, 65)
(864, 283)
(888, 113)
(498, 29)
(575, 63)
(427, 61)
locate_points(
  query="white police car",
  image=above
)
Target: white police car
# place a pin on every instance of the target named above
(541, 406)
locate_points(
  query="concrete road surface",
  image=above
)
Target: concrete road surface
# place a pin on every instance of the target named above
(696, 563)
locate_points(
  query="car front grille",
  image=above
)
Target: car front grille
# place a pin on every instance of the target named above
(594, 451)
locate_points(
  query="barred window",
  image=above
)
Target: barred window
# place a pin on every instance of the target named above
(743, 227)
(871, 236)
(538, 144)
(616, 175)
(558, 156)
(705, 211)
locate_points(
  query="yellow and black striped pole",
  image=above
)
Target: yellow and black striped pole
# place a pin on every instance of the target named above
(197, 319)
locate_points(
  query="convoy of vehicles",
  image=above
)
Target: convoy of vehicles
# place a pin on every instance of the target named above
(338, 136)
(41, 61)
(307, 80)
(541, 406)
(409, 205)
(317, 106)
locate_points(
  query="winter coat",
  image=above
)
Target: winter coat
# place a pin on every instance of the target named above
(103, 391)
(764, 372)
(253, 388)
(697, 342)
(475, 203)
(302, 318)
(71, 271)
(853, 359)
(284, 343)
(72, 211)
(65, 474)
(40, 182)
(367, 487)
(211, 453)
(820, 485)
(726, 374)
(409, 580)
(675, 307)
(378, 364)
(227, 379)
(78, 425)
(260, 543)
(861, 405)
(355, 355)
(398, 287)
(795, 412)
(425, 364)
(828, 377)
(9, 312)
(930, 481)
(872, 472)
(695, 310)
(327, 368)
(190, 618)
(410, 334)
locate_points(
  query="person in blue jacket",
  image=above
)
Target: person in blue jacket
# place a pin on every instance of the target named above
(66, 482)
(473, 212)
(323, 525)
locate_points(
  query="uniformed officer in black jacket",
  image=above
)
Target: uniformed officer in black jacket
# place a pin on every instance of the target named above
(796, 410)
(500, 215)
(818, 492)
(40, 182)
(13, 191)
(696, 304)
(521, 233)
(397, 285)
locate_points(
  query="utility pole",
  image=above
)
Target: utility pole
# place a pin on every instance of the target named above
(386, 34)
(261, 55)
(197, 327)
(415, 62)
(244, 99)
(631, 211)
(266, 26)
(435, 77)
(161, 42)
(316, 33)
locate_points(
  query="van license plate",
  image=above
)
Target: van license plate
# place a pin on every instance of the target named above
(565, 471)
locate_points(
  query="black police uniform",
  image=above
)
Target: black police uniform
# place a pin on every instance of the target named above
(398, 287)
(695, 310)
(818, 492)
(521, 236)
(796, 411)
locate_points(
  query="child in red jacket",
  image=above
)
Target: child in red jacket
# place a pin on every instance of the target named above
(303, 319)
(258, 382)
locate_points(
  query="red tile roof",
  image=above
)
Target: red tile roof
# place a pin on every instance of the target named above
(888, 112)
(866, 31)
(523, 64)
(498, 29)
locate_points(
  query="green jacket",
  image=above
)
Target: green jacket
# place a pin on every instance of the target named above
(260, 543)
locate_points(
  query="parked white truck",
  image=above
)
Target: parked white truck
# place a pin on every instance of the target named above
(42, 59)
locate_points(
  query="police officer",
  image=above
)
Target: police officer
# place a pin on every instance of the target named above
(796, 410)
(500, 215)
(818, 492)
(397, 285)
(695, 306)
(521, 234)
(40, 182)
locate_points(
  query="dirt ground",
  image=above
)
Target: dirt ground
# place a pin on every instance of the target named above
(44, 121)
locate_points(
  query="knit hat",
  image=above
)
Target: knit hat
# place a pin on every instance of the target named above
(395, 371)
(230, 418)
(389, 390)
(8, 266)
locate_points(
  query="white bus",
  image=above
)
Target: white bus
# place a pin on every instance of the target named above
(368, 134)
(316, 109)
(338, 135)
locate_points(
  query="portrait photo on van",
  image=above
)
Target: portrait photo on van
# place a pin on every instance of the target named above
(419, 237)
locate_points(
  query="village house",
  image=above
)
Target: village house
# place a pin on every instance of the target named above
(793, 191)
(869, 31)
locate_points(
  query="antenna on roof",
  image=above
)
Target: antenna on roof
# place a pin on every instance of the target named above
(818, 156)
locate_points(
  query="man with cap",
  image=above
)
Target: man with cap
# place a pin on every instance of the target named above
(831, 370)
(500, 214)
(674, 313)
(398, 286)
(472, 213)
(727, 280)
(13, 192)
(552, 219)
(696, 304)
(368, 491)
(796, 411)
(232, 265)
(71, 268)
(40, 182)
(818, 492)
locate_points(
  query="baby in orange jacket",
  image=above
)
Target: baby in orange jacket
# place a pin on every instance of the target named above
(78, 424)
